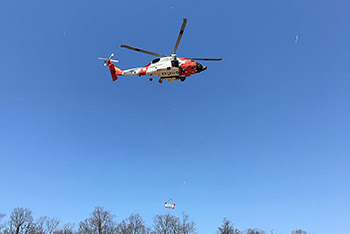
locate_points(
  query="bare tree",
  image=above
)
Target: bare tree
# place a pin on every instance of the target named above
(1, 225)
(45, 225)
(123, 227)
(100, 222)
(51, 225)
(21, 221)
(255, 231)
(39, 225)
(227, 228)
(68, 228)
(299, 231)
(166, 224)
(187, 226)
(134, 224)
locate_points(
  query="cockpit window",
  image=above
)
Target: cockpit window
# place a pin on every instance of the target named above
(156, 60)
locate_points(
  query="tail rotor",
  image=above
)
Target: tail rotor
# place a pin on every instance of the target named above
(108, 59)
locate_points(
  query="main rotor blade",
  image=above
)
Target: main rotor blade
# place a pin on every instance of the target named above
(180, 34)
(208, 59)
(143, 51)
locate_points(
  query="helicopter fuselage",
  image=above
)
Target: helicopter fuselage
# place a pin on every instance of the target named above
(167, 68)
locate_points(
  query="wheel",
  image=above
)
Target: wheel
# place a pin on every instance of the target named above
(150, 79)
(160, 81)
(183, 79)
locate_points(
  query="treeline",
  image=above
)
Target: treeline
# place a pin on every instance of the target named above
(102, 222)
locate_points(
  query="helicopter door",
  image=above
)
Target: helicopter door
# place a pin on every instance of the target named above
(175, 63)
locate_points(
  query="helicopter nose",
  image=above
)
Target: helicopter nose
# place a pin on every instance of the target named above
(200, 67)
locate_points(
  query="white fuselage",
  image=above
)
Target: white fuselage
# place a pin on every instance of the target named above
(160, 67)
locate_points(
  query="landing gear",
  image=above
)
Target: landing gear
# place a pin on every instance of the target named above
(183, 79)
(160, 80)
(150, 78)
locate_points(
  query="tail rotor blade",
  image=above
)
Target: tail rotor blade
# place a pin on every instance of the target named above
(105, 59)
(180, 34)
(108, 59)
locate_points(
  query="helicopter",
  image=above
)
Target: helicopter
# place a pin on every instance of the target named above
(166, 67)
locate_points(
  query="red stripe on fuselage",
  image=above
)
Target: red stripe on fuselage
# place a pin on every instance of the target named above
(144, 70)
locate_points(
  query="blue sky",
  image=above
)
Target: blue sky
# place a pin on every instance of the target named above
(261, 138)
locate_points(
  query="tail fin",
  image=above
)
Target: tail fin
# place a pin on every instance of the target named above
(114, 70)
(111, 67)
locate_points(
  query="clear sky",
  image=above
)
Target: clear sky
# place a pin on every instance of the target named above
(261, 138)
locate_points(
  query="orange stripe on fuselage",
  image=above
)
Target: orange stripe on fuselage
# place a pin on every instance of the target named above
(186, 68)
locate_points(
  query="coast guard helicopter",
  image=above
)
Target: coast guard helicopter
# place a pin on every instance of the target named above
(167, 67)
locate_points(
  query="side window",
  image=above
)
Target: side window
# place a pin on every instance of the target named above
(156, 60)
(175, 63)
